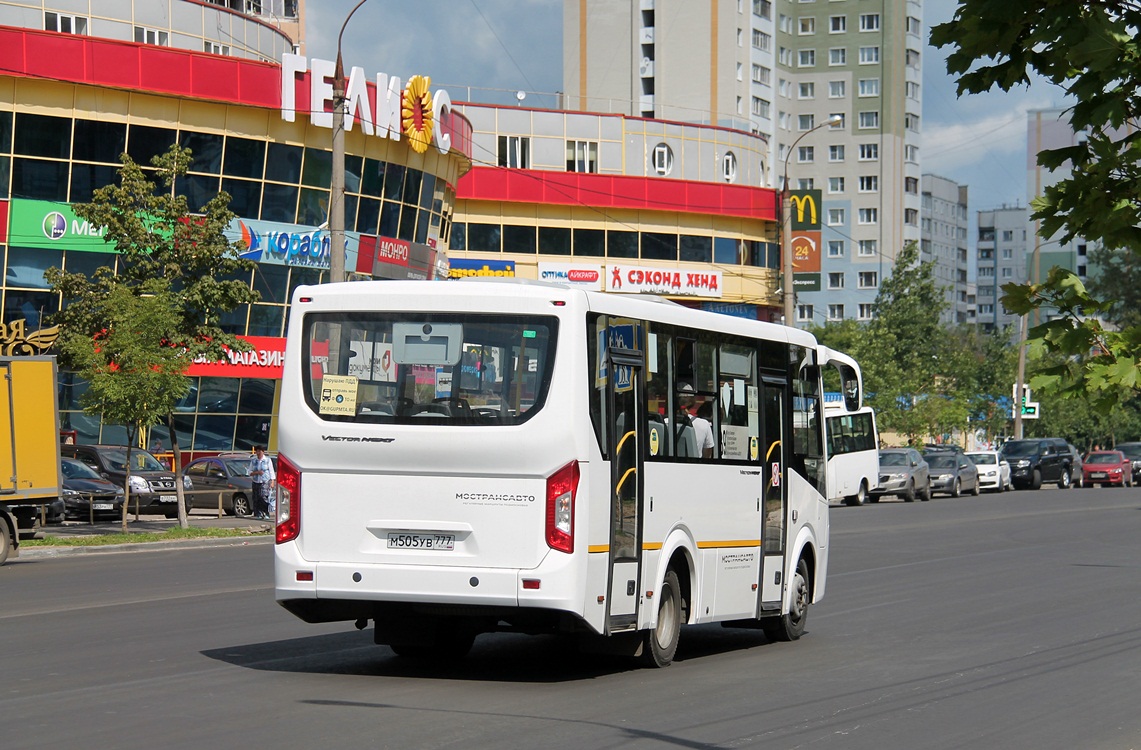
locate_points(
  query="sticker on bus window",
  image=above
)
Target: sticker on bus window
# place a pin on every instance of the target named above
(338, 395)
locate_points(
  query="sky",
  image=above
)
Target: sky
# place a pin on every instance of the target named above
(500, 47)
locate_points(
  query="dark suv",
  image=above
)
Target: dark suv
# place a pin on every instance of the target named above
(1037, 460)
(1132, 451)
(152, 484)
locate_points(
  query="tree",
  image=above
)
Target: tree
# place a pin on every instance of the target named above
(1092, 50)
(1117, 280)
(174, 265)
(133, 371)
(903, 347)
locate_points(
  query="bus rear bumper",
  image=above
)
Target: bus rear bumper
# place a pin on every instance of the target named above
(351, 591)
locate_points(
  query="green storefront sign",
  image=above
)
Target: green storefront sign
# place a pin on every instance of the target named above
(47, 225)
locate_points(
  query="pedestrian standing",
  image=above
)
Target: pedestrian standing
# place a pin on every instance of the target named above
(264, 478)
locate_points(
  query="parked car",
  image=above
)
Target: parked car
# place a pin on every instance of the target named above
(1108, 467)
(1076, 466)
(152, 485)
(1132, 451)
(1039, 460)
(952, 473)
(87, 495)
(903, 473)
(28, 516)
(994, 470)
(226, 473)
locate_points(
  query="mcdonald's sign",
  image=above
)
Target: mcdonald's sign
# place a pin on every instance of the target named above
(805, 205)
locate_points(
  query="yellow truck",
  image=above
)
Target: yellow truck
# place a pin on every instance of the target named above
(29, 442)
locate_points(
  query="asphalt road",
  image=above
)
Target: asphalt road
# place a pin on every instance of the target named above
(1009, 621)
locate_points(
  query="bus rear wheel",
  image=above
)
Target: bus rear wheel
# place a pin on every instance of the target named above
(791, 626)
(660, 644)
(860, 497)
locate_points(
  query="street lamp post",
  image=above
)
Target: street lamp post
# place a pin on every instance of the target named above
(337, 181)
(786, 227)
(1023, 334)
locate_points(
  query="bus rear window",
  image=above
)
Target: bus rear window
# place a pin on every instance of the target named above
(417, 368)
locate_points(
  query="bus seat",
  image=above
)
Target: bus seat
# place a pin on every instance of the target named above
(687, 443)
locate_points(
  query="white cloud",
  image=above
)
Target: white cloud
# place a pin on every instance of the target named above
(508, 45)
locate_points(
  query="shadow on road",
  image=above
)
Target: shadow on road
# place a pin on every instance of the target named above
(497, 657)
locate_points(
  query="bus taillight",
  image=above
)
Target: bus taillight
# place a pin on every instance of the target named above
(288, 500)
(561, 488)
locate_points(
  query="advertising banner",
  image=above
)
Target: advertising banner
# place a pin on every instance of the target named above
(806, 282)
(53, 226)
(586, 275)
(645, 280)
(805, 205)
(390, 258)
(464, 267)
(265, 360)
(806, 251)
(289, 244)
(735, 309)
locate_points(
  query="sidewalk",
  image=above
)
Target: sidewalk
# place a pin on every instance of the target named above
(256, 532)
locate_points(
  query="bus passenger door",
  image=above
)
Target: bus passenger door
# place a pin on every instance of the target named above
(627, 403)
(776, 447)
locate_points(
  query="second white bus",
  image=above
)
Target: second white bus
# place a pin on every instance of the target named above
(853, 453)
(466, 457)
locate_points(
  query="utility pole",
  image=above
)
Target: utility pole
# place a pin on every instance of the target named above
(786, 228)
(337, 181)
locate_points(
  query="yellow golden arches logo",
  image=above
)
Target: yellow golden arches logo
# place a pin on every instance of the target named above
(416, 113)
(799, 202)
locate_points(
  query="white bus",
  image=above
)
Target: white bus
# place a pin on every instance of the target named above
(850, 437)
(853, 453)
(466, 457)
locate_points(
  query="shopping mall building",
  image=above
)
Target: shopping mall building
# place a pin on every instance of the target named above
(612, 202)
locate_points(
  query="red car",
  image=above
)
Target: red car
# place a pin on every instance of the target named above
(1107, 467)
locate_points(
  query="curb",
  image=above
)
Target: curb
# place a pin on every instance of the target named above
(182, 544)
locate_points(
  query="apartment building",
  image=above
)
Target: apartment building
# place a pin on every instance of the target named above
(943, 242)
(783, 70)
(1003, 250)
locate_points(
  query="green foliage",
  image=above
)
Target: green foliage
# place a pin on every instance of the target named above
(1087, 360)
(1078, 421)
(1093, 51)
(133, 334)
(1117, 280)
(904, 343)
(925, 380)
(157, 237)
(135, 374)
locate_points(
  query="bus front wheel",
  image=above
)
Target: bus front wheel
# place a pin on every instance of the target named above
(660, 644)
(791, 626)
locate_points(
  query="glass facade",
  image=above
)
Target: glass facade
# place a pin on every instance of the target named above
(64, 160)
(611, 243)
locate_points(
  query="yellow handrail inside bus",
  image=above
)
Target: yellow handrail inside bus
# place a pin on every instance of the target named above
(622, 442)
(622, 481)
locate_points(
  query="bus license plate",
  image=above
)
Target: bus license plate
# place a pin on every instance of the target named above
(441, 542)
(168, 498)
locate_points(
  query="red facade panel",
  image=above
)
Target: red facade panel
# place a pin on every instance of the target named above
(616, 191)
(126, 65)
(57, 57)
(215, 78)
(112, 65)
(29, 53)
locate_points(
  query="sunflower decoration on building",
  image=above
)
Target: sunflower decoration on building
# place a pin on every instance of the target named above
(416, 113)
